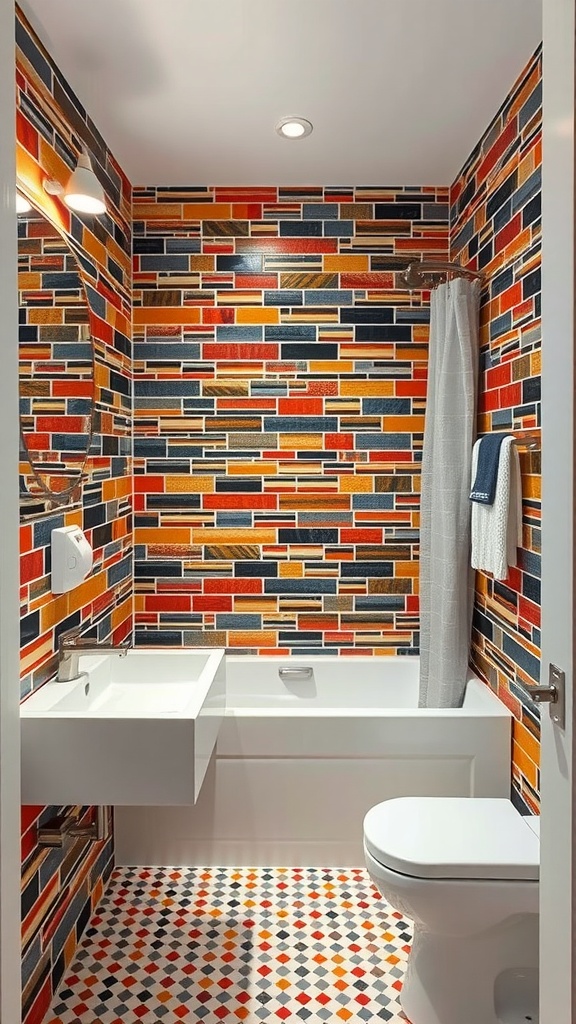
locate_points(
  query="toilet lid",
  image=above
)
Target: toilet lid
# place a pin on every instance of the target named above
(452, 837)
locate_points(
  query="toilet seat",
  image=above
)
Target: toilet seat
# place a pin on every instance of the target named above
(452, 837)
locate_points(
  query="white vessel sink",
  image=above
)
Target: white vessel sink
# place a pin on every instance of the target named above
(136, 729)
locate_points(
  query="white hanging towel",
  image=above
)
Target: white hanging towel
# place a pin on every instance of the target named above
(497, 528)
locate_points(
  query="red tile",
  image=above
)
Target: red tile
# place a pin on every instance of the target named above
(240, 501)
(27, 135)
(233, 352)
(31, 565)
(300, 407)
(215, 603)
(240, 585)
(508, 233)
(282, 245)
(217, 316)
(339, 442)
(497, 376)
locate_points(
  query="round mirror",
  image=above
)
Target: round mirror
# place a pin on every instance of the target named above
(56, 365)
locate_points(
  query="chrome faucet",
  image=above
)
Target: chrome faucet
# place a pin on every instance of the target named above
(71, 645)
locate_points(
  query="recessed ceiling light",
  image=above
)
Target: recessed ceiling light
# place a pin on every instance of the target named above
(294, 127)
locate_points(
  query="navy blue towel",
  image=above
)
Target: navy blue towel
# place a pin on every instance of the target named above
(484, 487)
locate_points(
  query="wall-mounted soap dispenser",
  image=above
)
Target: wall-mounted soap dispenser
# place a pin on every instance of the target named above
(72, 558)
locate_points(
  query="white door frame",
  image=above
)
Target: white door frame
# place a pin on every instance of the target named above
(9, 530)
(557, 854)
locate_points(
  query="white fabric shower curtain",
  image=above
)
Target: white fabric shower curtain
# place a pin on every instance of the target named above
(446, 580)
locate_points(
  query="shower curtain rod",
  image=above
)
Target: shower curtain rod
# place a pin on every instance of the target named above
(416, 273)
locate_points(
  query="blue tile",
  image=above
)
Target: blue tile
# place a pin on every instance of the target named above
(301, 424)
(31, 51)
(182, 245)
(339, 228)
(290, 332)
(500, 325)
(233, 519)
(531, 563)
(292, 228)
(320, 211)
(327, 297)
(387, 602)
(243, 263)
(97, 302)
(531, 106)
(232, 621)
(522, 657)
(164, 263)
(372, 502)
(166, 388)
(366, 570)
(164, 350)
(384, 442)
(310, 536)
(294, 586)
(232, 333)
(255, 568)
(527, 190)
(283, 297)
(501, 282)
(502, 418)
(386, 406)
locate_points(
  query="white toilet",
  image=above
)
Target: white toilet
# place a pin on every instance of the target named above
(466, 872)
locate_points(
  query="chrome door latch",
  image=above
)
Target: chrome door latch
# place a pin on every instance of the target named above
(553, 694)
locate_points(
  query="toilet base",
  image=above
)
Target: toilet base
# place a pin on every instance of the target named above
(451, 980)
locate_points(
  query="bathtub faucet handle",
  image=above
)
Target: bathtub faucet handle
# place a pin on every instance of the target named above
(296, 673)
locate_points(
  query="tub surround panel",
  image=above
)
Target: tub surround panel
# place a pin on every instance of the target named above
(496, 227)
(280, 380)
(62, 887)
(330, 757)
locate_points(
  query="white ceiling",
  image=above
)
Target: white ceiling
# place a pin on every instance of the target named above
(187, 92)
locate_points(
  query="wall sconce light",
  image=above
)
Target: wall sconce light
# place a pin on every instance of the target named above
(22, 204)
(83, 192)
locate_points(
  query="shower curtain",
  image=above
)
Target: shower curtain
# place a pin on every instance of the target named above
(446, 579)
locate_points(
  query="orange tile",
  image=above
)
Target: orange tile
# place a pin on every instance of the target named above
(188, 484)
(261, 315)
(403, 424)
(405, 569)
(53, 612)
(525, 765)
(331, 366)
(251, 639)
(349, 484)
(161, 535)
(206, 263)
(365, 388)
(291, 569)
(526, 741)
(204, 211)
(296, 442)
(184, 315)
(343, 263)
(213, 535)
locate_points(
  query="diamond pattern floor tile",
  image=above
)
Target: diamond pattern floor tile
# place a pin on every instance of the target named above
(259, 945)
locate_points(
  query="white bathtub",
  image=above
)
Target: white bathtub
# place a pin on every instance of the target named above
(299, 763)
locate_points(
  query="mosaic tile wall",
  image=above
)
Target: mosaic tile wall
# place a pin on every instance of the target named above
(60, 887)
(55, 355)
(280, 378)
(496, 227)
